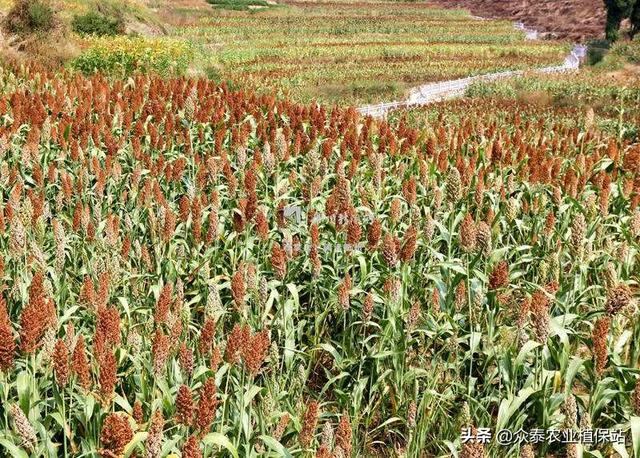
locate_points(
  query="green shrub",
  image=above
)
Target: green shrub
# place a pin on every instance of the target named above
(122, 56)
(40, 16)
(628, 50)
(596, 51)
(28, 16)
(96, 23)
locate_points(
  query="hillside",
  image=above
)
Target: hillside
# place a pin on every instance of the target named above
(574, 19)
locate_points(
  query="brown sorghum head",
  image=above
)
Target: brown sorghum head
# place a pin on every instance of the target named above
(207, 405)
(61, 363)
(238, 289)
(138, 413)
(255, 351)
(160, 352)
(373, 235)
(309, 422)
(409, 244)
(472, 448)
(389, 251)
(184, 405)
(186, 359)
(35, 316)
(343, 435)
(499, 277)
(7, 341)
(235, 343)
(80, 364)
(618, 298)
(468, 234)
(540, 311)
(600, 347)
(278, 261)
(108, 376)
(116, 433)
(191, 448)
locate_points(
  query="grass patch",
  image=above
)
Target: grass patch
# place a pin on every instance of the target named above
(239, 5)
(123, 56)
(97, 23)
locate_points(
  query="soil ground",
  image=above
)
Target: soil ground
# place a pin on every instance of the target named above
(578, 20)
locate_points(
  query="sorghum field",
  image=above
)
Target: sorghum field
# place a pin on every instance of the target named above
(214, 265)
(357, 52)
(193, 270)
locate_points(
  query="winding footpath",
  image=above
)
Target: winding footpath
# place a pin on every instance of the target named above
(434, 92)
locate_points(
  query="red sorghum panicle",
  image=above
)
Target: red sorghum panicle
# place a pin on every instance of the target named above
(80, 364)
(163, 304)
(185, 357)
(600, 347)
(309, 422)
(116, 433)
(235, 343)
(154, 439)
(367, 308)
(373, 235)
(323, 452)
(468, 234)
(160, 352)
(35, 316)
(343, 435)
(540, 311)
(207, 405)
(278, 261)
(473, 448)
(7, 341)
(389, 250)
(414, 316)
(435, 300)
(409, 244)
(87, 292)
(344, 290)
(206, 336)
(578, 233)
(354, 232)
(191, 448)
(238, 289)
(61, 363)
(108, 376)
(184, 405)
(216, 358)
(255, 351)
(499, 277)
(137, 413)
(461, 298)
(394, 211)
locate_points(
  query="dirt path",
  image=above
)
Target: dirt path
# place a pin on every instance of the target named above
(434, 92)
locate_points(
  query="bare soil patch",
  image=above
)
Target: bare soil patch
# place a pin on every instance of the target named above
(578, 20)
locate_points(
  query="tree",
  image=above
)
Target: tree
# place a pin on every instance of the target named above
(617, 11)
(635, 19)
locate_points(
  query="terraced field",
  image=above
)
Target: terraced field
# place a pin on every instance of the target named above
(357, 52)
